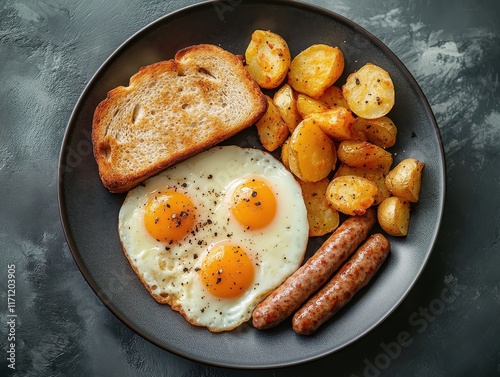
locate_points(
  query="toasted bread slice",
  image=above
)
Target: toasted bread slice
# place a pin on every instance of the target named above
(170, 111)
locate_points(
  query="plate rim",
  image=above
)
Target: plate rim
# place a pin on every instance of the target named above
(71, 126)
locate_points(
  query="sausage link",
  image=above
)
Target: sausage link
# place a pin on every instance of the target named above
(308, 278)
(353, 276)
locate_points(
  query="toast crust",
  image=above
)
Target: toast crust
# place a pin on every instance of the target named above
(170, 111)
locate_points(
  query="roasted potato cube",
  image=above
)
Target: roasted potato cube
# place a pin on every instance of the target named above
(380, 131)
(369, 92)
(307, 105)
(312, 155)
(272, 130)
(393, 215)
(374, 175)
(333, 97)
(286, 101)
(285, 153)
(405, 179)
(315, 69)
(268, 58)
(335, 122)
(321, 216)
(362, 154)
(351, 194)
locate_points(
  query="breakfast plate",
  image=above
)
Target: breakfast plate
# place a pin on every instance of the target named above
(89, 213)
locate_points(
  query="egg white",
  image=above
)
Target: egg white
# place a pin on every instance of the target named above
(169, 271)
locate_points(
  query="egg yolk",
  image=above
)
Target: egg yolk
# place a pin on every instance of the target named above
(169, 216)
(253, 204)
(227, 271)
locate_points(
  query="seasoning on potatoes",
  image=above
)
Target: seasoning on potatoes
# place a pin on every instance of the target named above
(375, 175)
(272, 130)
(380, 131)
(312, 155)
(321, 216)
(307, 105)
(286, 103)
(405, 179)
(333, 97)
(369, 92)
(393, 215)
(285, 151)
(268, 58)
(336, 122)
(351, 194)
(362, 154)
(315, 69)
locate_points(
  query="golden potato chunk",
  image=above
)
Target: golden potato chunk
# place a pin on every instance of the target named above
(286, 102)
(268, 58)
(362, 154)
(285, 153)
(393, 215)
(336, 122)
(333, 97)
(374, 175)
(369, 92)
(321, 216)
(315, 69)
(405, 179)
(351, 194)
(312, 155)
(380, 131)
(272, 130)
(307, 105)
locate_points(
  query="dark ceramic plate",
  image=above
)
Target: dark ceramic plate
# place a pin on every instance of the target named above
(89, 212)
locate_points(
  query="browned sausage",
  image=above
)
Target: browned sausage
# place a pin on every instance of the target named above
(353, 276)
(315, 272)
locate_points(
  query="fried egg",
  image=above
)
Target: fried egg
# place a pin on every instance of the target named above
(213, 235)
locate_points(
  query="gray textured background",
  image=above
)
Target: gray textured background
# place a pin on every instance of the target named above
(50, 49)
